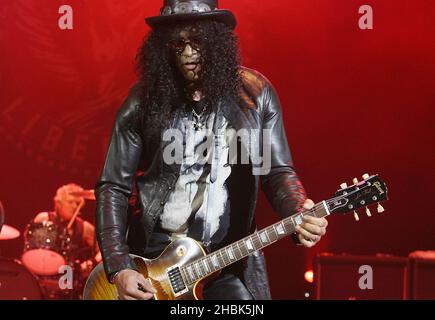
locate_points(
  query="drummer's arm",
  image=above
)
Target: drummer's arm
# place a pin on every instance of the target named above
(88, 235)
(41, 217)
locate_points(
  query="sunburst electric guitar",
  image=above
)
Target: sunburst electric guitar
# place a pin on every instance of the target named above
(178, 272)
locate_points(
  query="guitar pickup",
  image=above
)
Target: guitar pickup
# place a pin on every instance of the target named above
(176, 280)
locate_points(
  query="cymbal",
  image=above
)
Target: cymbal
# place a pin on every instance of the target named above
(9, 233)
(86, 194)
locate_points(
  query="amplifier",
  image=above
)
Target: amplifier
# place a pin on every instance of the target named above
(422, 279)
(351, 277)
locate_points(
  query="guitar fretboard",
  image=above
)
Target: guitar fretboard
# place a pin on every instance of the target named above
(236, 251)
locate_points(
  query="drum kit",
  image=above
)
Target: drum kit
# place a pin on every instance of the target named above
(36, 275)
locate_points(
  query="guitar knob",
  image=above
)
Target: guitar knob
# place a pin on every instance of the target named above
(355, 215)
(369, 214)
(380, 208)
(343, 185)
(366, 176)
(355, 181)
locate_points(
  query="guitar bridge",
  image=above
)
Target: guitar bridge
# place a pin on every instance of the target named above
(176, 280)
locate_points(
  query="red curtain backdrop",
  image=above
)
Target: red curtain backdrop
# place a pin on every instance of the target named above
(354, 101)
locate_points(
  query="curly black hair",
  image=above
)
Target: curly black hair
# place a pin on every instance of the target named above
(162, 88)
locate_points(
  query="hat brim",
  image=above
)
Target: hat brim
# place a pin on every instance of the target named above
(224, 16)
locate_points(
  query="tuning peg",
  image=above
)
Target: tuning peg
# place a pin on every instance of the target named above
(365, 176)
(343, 185)
(355, 181)
(369, 214)
(380, 208)
(355, 215)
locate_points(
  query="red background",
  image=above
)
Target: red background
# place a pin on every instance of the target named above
(354, 101)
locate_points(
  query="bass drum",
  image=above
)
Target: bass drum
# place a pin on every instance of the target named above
(43, 253)
(17, 283)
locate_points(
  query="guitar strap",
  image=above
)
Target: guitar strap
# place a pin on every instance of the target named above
(218, 140)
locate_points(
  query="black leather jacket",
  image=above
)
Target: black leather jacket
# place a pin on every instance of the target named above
(120, 231)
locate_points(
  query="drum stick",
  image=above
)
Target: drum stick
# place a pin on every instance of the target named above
(79, 207)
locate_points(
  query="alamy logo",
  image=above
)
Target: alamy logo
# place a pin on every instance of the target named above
(258, 148)
(66, 278)
(66, 19)
(366, 280)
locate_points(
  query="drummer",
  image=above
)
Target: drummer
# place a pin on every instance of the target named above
(81, 232)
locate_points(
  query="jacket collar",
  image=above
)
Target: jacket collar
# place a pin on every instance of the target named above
(238, 117)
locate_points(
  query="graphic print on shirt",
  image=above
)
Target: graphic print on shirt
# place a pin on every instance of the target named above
(186, 207)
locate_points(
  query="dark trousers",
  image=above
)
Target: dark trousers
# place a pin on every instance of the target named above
(226, 286)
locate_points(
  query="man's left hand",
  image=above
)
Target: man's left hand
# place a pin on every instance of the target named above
(311, 230)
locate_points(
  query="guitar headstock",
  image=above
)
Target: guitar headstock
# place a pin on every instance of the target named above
(361, 194)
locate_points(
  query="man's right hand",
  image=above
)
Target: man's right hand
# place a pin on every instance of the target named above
(129, 284)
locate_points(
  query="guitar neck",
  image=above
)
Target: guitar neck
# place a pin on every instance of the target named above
(236, 251)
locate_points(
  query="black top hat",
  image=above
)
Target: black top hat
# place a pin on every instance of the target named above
(175, 11)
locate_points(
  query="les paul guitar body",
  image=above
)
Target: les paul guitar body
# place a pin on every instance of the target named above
(178, 254)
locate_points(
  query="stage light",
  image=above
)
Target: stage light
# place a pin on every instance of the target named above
(309, 276)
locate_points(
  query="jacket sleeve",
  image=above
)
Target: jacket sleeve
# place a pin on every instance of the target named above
(114, 188)
(281, 185)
